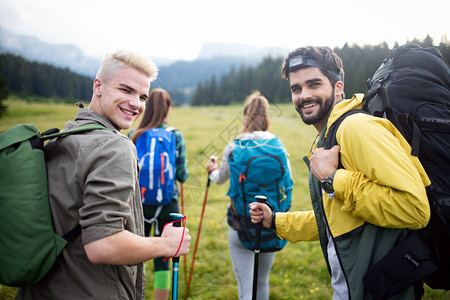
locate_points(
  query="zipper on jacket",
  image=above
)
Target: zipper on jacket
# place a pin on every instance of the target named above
(325, 221)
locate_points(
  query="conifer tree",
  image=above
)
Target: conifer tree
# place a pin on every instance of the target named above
(3, 93)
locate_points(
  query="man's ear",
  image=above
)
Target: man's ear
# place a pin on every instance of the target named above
(97, 87)
(338, 89)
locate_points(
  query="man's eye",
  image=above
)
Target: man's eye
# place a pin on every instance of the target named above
(143, 99)
(125, 90)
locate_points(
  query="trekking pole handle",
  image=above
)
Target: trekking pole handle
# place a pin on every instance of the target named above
(258, 229)
(260, 199)
(176, 217)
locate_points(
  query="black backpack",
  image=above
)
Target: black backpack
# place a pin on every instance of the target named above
(411, 88)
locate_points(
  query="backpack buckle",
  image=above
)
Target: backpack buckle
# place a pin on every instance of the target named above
(404, 118)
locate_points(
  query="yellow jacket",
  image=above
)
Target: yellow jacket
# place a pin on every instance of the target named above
(379, 194)
(381, 184)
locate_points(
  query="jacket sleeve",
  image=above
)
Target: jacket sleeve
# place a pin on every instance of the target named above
(381, 183)
(297, 226)
(182, 173)
(108, 176)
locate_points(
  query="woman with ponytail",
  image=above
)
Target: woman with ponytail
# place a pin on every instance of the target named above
(155, 116)
(256, 123)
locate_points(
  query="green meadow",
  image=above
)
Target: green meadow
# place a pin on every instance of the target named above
(299, 270)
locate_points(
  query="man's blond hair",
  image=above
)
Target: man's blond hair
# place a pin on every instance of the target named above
(117, 60)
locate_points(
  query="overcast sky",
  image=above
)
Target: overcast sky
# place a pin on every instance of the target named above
(178, 28)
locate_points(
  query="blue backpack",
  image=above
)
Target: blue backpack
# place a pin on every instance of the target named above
(258, 167)
(156, 151)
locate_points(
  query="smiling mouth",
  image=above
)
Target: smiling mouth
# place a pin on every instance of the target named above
(308, 105)
(128, 112)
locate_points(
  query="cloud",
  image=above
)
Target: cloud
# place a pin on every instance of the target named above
(178, 29)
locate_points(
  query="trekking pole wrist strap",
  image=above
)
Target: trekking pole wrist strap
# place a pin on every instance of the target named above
(272, 225)
(182, 237)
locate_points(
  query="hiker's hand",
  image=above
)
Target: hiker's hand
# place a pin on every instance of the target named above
(173, 237)
(324, 162)
(212, 164)
(261, 212)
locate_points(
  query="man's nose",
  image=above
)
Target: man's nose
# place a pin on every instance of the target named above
(305, 94)
(134, 101)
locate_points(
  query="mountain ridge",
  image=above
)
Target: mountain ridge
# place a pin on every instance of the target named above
(72, 57)
(177, 76)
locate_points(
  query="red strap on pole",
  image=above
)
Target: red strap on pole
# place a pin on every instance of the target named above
(182, 237)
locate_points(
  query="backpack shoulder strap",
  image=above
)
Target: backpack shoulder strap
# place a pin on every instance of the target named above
(330, 140)
(52, 133)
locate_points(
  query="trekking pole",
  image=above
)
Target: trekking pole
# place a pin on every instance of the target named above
(258, 228)
(182, 212)
(191, 271)
(175, 260)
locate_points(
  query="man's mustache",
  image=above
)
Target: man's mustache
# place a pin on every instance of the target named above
(300, 104)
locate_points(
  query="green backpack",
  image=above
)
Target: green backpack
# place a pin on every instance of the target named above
(28, 244)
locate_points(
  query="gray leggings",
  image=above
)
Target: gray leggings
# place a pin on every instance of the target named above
(243, 261)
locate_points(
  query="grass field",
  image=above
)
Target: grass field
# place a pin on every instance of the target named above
(299, 270)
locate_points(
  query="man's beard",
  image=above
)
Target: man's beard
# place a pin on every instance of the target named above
(324, 110)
